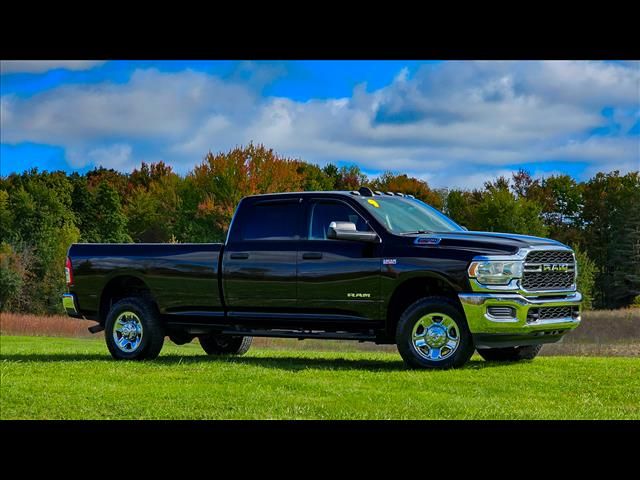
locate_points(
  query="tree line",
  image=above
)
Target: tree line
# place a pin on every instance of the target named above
(42, 213)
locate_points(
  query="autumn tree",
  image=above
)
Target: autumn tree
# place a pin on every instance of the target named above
(389, 182)
(216, 186)
(350, 178)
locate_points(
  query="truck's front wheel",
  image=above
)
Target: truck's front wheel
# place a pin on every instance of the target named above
(433, 333)
(510, 354)
(219, 344)
(133, 330)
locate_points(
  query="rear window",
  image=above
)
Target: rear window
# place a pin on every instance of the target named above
(270, 221)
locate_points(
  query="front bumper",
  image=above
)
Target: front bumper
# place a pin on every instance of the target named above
(518, 329)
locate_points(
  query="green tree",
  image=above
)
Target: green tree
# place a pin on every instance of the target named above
(314, 178)
(6, 216)
(586, 277)
(83, 205)
(42, 222)
(333, 173)
(500, 211)
(496, 209)
(462, 205)
(152, 206)
(612, 232)
(111, 223)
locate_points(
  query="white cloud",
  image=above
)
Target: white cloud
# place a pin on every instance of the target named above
(116, 156)
(457, 123)
(41, 66)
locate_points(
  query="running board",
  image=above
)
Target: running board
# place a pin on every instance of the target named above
(96, 328)
(301, 335)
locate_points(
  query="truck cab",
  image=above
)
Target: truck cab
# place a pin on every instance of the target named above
(360, 265)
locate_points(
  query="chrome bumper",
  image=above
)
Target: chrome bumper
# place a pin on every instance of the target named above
(69, 304)
(475, 307)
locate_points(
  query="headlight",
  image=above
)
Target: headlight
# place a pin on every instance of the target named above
(495, 272)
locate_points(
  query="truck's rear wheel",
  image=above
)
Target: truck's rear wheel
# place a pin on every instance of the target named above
(219, 344)
(510, 354)
(133, 330)
(433, 333)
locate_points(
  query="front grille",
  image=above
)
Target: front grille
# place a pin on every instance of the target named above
(547, 281)
(535, 278)
(551, 313)
(550, 256)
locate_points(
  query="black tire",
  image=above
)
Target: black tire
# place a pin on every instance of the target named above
(456, 357)
(152, 337)
(510, 354)
(220, 344)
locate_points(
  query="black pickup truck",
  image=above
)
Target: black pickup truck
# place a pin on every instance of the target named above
(360, 265)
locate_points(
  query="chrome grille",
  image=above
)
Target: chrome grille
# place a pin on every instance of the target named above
(547, 281)
(549, 256)
(548, 270)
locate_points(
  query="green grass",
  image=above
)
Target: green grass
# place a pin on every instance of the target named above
(60, 378)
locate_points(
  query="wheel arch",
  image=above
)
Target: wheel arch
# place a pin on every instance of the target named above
(119, 287)
(414, 288)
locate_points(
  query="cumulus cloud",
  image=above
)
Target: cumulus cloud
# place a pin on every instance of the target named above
(40, 66)
(116, 156)
(453, 122)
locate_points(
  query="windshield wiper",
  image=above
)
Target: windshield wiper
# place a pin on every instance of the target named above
(416, 232)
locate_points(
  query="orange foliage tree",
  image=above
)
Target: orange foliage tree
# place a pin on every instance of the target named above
(221, 180)
(388, 182)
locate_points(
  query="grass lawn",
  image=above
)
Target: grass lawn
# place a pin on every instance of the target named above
(64, 378)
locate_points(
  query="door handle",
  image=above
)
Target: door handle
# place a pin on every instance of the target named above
(312, 256)
(239, 256)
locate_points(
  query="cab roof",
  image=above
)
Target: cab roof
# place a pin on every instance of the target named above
(362, 192)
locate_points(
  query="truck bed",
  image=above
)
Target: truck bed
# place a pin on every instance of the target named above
(183, 277)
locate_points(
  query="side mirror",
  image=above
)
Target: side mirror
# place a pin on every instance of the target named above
(464, 228)
(347, 231)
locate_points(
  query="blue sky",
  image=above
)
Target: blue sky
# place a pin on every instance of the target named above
(453, 124)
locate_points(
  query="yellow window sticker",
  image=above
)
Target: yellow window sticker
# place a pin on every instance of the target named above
(374, 203)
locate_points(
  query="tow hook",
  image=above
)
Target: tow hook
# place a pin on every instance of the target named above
(96, 328)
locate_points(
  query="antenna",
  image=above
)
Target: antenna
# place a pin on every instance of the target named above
(365, 192)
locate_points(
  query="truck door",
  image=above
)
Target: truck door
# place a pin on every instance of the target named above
(259, 263)
(337, 277)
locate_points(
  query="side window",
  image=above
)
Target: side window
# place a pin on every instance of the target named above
(270, 221)
(323, 213)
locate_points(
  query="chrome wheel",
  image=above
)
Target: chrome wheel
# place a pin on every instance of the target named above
(435, 336)
(127, 332)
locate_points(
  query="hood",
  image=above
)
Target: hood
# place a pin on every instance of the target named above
(488, 242)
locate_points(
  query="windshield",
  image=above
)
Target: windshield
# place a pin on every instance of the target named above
(404, 215)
